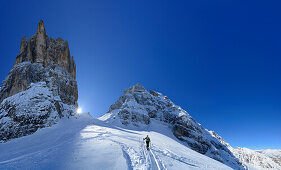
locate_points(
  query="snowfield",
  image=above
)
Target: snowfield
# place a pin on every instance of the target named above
(82, 142)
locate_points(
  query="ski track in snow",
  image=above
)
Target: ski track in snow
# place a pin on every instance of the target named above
(150, 160)
(149, 157)
(100, 146)
(174, 156)
(140, 158)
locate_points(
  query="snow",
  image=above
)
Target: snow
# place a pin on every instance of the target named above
(257, 159)
(81, 142)
(35, 89)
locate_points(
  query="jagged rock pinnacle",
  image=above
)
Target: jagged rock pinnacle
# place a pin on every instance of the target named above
(40, 88)
(46, 52)
(41, 43)
(41, 28)
(39, 48)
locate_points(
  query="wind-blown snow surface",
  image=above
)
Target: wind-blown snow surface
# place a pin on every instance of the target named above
(85, 143)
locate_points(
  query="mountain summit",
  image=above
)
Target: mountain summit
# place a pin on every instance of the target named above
(40, 88)
(138, 108)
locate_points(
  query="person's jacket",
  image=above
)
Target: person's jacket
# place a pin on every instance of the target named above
(147, 139)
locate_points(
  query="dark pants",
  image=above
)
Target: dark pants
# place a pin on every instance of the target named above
(147, 144)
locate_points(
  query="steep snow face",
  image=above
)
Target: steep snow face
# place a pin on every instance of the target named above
(25, 112)
(137, 108)
(84, 143)
(260, 159)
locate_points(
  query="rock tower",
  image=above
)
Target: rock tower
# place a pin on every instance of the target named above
(40, 88)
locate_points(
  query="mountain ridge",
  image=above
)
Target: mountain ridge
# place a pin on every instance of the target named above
(137, 107)
(259, 159)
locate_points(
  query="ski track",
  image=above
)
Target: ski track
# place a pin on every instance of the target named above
(154, 163)
(84, 147)
(142, 158)
(174, 156)
(157, 159)
(147, 158)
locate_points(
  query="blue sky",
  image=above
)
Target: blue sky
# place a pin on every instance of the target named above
(219, 60)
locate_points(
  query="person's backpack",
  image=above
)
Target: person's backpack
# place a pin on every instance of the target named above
(147, 139)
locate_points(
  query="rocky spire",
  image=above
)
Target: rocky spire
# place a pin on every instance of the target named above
(39, 48)
(41, 28)
(41, 87)
(45, 52)
(41, 43)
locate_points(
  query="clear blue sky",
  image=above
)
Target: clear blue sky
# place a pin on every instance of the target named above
(219, 60)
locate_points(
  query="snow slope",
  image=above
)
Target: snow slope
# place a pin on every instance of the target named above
(82, 142)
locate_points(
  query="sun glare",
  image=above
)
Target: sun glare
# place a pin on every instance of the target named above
(79, 110)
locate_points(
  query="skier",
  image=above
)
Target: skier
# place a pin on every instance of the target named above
(147, 140)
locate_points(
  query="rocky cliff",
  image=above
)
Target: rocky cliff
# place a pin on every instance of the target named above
(40, 88)
(138, 107)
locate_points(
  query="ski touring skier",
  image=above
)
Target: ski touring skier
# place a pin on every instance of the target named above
(147, 140)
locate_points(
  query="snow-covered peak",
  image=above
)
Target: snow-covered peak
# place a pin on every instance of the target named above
(138, 108)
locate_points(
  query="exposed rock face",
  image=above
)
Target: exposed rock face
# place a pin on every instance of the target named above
(42, 62)
(42, 49)
(48, 52)
(139, 107)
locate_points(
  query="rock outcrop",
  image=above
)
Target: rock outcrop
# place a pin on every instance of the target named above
(138, 107)
(42, 64)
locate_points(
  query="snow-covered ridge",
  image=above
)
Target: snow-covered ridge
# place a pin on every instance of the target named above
(259, 159)
(138, 108)
(273, 153)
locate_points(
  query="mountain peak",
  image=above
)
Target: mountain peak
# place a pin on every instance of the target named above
(39, 48)
(136, 88)
(41, 28)
(140, 108)
(40, 88)
(138, 85)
